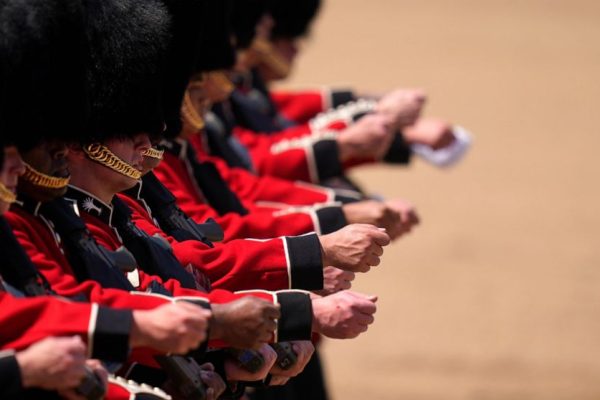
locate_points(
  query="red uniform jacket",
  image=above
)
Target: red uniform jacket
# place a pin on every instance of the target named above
(294, 304)
(261, 223)
(24, 321)
(273, 264)
(301, 106)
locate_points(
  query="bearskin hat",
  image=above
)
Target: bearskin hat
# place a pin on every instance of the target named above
(292, 19)
(127, 47)
(245, 16)
(216, 49)
(42, 74)
(186, 29)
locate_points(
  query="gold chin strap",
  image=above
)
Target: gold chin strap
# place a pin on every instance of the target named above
(189, 113)
(40, 179)
(6, 195)
(102, 155)
(221, 80)
(271, 58)
(154, 153)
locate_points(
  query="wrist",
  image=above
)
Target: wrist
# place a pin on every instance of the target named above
(345, 149)
(316, 306)
(139, 335)
(215, 330)
(24, 362)
(324, 240)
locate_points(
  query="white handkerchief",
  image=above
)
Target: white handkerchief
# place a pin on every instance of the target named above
(449, 155)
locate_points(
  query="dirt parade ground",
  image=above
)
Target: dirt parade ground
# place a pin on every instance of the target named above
(497, 294)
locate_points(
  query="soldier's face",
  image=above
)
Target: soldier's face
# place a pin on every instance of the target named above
(12, 168)
(131, 151)
(50, 158)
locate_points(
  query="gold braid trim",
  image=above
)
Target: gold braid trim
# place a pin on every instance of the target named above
(270, 57)
(154, 153)
(189, 113)
(6, 195)
(38, 178)
(221, 80)
(102, 155)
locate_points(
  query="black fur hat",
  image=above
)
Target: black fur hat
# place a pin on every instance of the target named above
(216, 49)
(292, 18)
(128, 41)
(186, 28)
(246, 15)
(42, 74)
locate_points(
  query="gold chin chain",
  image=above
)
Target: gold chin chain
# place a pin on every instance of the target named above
(102, 155)
(38, 178)
(189, 113)
(6, 195)
(221, 80)
(154, 153)
(270, 57)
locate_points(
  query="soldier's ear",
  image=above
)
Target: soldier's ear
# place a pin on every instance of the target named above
(75, 150)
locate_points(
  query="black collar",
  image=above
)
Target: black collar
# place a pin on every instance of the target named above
(87, 202)
(29, 205)
(177, 147)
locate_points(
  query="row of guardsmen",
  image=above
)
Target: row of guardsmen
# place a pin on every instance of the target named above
(171, 227)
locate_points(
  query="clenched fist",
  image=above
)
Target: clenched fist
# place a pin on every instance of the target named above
(246, 323)
(369, 137)
(355, 248)
(408, 214)
(343, 315)
(170, 328)
(237, 373)
(53, 363)
(403, 106)
(375, 213)
(431, 132)
(335, 279)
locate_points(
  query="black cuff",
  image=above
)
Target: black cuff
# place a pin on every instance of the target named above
(347, 199)
(110, 341)
(331, 219)
(339, 97)
(11, 386)
(399, 151)
(327, 159)
(306, 262)
(296, 316)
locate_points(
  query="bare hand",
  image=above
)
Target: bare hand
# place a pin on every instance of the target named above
(335, 279)
(355, 248)
(374, 213)
(304, 350)
(343, 315)
(403, 106)
(408, 214)
(246, 323)
(98, 369)
(215, 384)
(53, 363)
(369, 137)
(236, 373)
(171, 328)
(431, 132)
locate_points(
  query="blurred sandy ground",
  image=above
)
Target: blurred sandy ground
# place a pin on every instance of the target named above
(497, 294)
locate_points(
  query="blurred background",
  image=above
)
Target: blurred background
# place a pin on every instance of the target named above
(497, 294)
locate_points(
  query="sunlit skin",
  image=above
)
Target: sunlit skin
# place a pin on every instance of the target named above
(50, 158)
(12, 168)
(100, 180)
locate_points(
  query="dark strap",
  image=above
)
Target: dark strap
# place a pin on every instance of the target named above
(16, 267)
(87, 258)
(171, 219)
(213, 186)
(153, 254)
